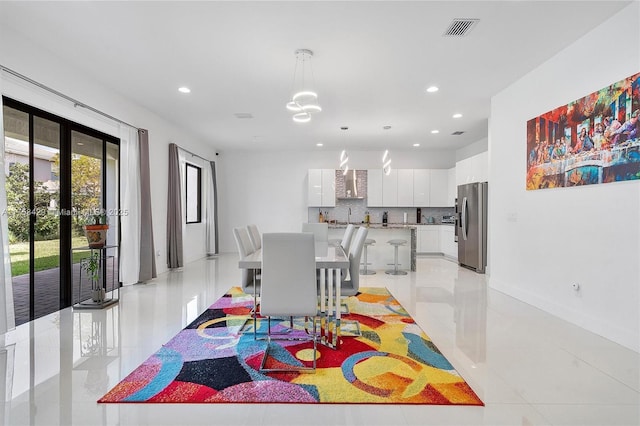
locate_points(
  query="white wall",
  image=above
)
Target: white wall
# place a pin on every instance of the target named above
(194, 234)
(543, 241)
(21, 55)
(475, 148)
(270, 188)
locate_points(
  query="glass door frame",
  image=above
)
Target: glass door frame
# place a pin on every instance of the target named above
(65, 207)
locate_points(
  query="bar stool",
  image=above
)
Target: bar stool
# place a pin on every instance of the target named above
(366, 270)
(395, 270)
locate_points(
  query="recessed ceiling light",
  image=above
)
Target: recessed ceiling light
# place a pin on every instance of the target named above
(432, 89)
(80, 143)
(184, 90)
(319, 144)
(435, 131)
(416, 144)
(457, 115)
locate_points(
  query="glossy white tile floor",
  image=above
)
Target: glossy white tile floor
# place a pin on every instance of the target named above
(528, 367)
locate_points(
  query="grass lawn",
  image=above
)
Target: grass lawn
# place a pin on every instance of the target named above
(46, 255)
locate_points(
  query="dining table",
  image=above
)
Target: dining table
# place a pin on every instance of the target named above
(330, 260)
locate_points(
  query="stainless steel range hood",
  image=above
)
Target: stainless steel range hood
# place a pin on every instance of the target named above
(351, 186)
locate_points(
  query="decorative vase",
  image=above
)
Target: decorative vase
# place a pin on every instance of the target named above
(98, 295)
(96, 235)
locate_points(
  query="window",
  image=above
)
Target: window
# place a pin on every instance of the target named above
(193, 192)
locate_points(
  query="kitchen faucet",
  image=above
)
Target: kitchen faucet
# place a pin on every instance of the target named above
(349, 216)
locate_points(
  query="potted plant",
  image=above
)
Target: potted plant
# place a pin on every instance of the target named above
(91, 265)
(96, 232)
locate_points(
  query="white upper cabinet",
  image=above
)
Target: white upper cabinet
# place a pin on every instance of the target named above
(409, 188)
(452, 191)
(480, 166)
(314, 192)
(473, 169)
(374, 188)
(405, 188)
(390, 189)
(328, 187)
(439, 188)
(463, 172)
(322, 188)
(421, 187)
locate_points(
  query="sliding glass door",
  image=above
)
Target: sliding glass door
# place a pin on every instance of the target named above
(58, 173)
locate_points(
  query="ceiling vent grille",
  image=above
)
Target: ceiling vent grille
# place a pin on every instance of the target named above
(457, 133)
(460, 27)
(243, 115)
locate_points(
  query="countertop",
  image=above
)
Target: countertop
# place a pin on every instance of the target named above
(389, 226)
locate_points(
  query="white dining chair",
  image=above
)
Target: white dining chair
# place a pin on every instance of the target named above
(254, 234)
(250, 279)
(347, 237)
(319, 230)
(288, 288)
(351, 285)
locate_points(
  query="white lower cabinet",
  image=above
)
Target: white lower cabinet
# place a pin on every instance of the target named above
(447, 244)
(437, 239)
(428, 240)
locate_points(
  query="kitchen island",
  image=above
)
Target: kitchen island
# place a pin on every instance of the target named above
(381, 254)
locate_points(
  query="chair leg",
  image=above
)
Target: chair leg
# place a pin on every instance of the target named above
(254, 318)
(270, 337)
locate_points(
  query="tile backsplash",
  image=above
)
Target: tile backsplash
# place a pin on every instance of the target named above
(395, 214)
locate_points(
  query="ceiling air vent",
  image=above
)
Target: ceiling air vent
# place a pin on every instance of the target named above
(460, 27)
(457, 133)
(243, 115)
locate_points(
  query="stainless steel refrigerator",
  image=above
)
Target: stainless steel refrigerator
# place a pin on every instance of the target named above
(471, 225)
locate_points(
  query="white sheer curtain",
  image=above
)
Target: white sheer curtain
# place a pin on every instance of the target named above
(130, 202)
(7, 317)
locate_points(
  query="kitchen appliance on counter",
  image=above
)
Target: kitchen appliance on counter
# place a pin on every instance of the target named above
(448, 218)
(471, 226)
(385, 218)
(418, 215)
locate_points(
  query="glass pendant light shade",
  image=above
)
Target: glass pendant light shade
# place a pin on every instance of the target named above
(304, 101)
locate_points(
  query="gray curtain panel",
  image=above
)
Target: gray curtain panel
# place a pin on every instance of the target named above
(147, 248)
(215, 205)
(174, 211)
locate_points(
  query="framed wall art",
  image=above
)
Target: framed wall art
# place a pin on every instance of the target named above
(593, 140)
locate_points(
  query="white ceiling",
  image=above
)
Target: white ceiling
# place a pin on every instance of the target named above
(372, 63)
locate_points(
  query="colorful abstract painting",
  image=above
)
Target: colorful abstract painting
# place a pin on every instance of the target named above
(595, 139)
(212, 361)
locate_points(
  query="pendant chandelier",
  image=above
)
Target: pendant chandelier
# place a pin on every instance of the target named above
(386, 163)
(304, 100)
(344, 156)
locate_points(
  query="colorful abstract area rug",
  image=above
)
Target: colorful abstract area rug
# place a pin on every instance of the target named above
(211, 361)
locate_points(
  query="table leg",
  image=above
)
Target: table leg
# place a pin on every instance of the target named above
(330, 308)
(323, 311)
(336, 335)
(255, 305)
